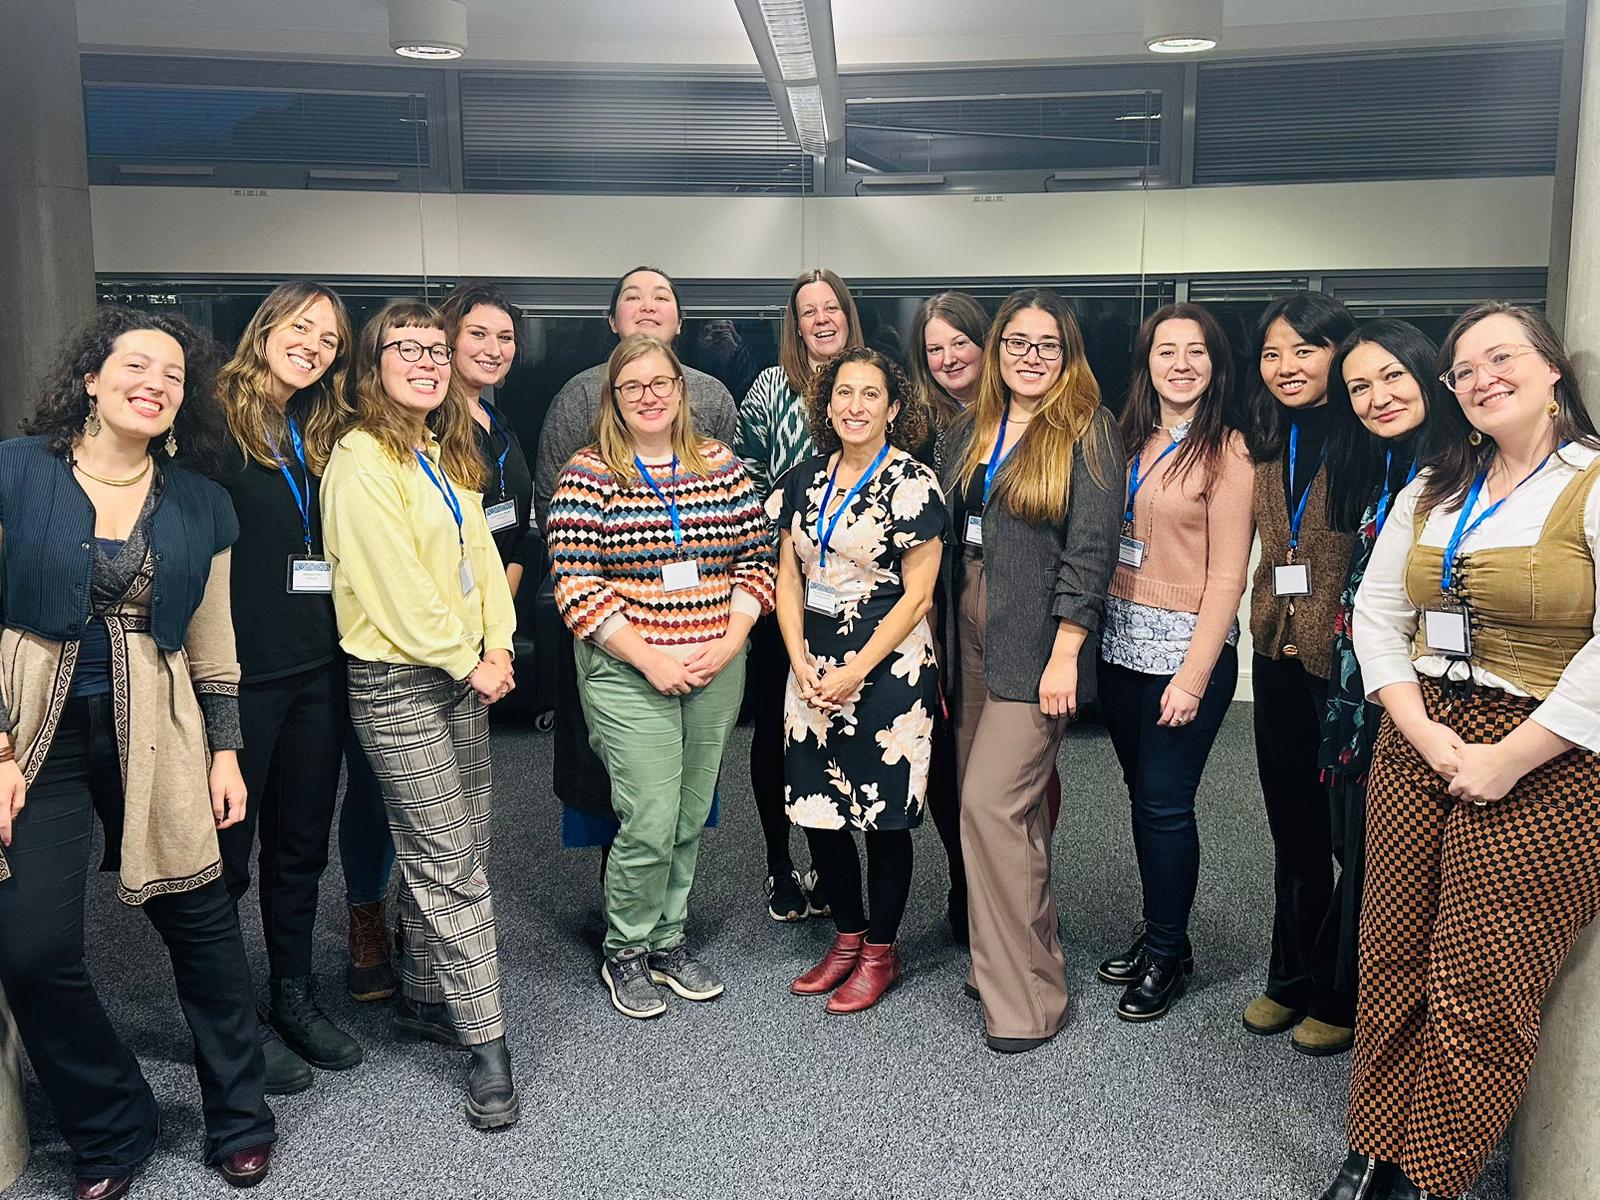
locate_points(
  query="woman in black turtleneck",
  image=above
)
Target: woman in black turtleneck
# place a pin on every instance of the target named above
(1381, 390)
(1294, 600)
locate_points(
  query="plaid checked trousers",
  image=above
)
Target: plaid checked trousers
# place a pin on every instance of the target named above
(1468, 914)
(427, 737)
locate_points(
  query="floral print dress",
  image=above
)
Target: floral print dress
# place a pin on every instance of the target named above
(866, 766)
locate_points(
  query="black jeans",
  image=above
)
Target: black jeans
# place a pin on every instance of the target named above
(1162, 766)
(101, 1100)
(833, 853)
(294, 732)
(1290, 703)
(766, 677)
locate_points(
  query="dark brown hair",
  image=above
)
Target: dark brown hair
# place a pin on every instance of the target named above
(909, 428)
(1208, 429)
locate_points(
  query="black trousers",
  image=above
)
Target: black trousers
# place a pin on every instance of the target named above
(766, 677)
(294, 732)
(889, 858)
(1289, 707)
(1162, 766)
(102, 1103)
(944, 806)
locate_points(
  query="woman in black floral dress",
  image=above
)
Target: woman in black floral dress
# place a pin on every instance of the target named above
(861, 527)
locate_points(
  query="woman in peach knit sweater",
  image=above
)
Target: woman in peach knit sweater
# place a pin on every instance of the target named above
(1168, 662)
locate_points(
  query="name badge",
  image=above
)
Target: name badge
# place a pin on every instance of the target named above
(464, 573)
(1130, 552)
(1291, 580)
(974, 533)
(1447, 632)
(501, 516)
(680, 576)
(821, 598)
(310, 576)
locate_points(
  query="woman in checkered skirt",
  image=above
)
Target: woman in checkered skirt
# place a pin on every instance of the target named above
(1476, 630)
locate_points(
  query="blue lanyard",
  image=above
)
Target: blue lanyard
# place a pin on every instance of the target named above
(1383, 500)
(825, 535)
(1300, 509)
(1463, 530)
(1135, 483)
(494, 425)
(302, 502)
(670, 504)
(442, 482)
(995, 456)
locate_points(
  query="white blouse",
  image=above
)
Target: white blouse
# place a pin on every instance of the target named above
(1385, 622)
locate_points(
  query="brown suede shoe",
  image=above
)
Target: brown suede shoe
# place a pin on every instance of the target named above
(877, 970)
(1319, 1039)
(113, 1187)
(1266, 1017)
(833, 969)
(369, 974)
(247, 1167)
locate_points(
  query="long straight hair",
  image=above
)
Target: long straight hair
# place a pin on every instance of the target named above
(614, 444)
(1208, 428)
(1355, 454)
(1320, 320)
(792, 356)
(1453, 460)
(396, 426)
(1033, 482)
(966, 316)
(244, 384)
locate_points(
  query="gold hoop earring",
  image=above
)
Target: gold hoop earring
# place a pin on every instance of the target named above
(1475, 438)
(92, 426)
(171, 445)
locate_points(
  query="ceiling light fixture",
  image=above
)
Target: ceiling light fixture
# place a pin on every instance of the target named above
(432, 30)
(1182, 26)
(793, 41)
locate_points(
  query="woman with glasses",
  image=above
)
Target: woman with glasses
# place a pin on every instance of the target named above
(643, 301)
(819, 323)
(425, 616)
(284, 395)
(1032, 472)
(1293, 604)
(662, 559)
(1168, 662)
(1477, 631)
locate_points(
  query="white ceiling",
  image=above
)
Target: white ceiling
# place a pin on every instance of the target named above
(701, 33)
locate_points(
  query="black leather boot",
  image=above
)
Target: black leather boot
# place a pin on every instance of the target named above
(287, 1072)
(430, 1021)
(1125, 968)
(293, 1011)
(1403, 1189)
(491, 1093)
(1362, 1178)
(1149, 996)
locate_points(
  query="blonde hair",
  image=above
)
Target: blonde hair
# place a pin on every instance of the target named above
(614, 444)
(394, 425)
(1034, 480)
(244, 385)
(792, 354)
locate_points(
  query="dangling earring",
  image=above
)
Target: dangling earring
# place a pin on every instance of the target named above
(1475, 438)
(1554, 407)
(92, 427)
(171, 445)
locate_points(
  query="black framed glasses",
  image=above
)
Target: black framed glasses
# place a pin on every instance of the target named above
(661, 387)
(1018, 347)
(412, 351)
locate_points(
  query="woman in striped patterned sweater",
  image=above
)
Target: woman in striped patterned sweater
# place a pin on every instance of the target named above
(662, 558)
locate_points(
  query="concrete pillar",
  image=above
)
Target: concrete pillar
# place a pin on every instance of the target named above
(1556, 1155)
(46, 242)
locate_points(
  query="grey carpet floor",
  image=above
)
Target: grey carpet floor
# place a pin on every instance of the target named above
(761, 1094)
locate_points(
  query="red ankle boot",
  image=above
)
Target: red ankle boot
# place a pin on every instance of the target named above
(877, 970)
(834, 968)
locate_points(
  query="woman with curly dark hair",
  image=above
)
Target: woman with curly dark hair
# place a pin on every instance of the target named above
(121, 700)
(861, 528)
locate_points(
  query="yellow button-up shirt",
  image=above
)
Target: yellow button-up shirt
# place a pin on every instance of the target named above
(396, 555)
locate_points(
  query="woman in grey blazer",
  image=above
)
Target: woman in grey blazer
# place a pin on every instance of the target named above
(1032, 473)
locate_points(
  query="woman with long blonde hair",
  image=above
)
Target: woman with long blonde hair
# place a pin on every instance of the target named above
(1032, 470)
(426, 618)
(284, 394)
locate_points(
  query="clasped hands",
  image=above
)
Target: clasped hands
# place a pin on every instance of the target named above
(493, 677)
(827, 689)
(1479, 772)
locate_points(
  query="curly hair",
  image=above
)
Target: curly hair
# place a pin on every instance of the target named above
(199, 427)
(907, 431)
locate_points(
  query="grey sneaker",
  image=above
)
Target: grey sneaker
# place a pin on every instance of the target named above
(684, 973)
(626, 975)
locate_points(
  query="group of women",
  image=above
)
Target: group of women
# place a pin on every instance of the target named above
(220, 587)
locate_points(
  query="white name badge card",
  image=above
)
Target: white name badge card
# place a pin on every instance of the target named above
(1130, 552)
(821, 598)
(464, 574)
(1447, 632)
(1291, 580)
(680, 576)
(501, 516)
(310, 576)
(974, 532)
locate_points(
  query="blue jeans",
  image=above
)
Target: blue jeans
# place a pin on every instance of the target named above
(365, 847)
(1162, 766)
